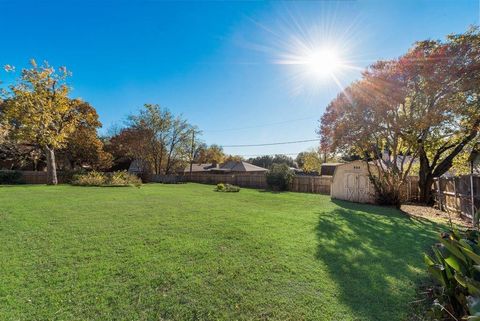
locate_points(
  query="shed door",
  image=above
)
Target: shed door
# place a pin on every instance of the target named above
(357, 187)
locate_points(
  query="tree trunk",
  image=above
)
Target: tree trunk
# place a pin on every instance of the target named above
(425, 184)
(51, 167)
(425, 177)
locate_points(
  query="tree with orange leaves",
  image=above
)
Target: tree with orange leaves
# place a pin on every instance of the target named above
(423, 107)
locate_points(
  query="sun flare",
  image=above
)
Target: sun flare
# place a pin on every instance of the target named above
(322, 62)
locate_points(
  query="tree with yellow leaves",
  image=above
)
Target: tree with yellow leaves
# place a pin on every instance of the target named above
(39, 110)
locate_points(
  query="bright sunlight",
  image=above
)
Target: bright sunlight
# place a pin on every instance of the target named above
(322, 63)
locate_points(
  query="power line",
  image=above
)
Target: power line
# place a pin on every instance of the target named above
(256, 155)
(278, 143)
(260, 125)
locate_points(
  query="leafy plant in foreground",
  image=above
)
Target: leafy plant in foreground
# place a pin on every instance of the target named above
(455, 264)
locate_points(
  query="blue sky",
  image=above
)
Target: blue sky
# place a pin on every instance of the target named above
(217, 62)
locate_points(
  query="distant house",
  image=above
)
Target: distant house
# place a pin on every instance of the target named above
(228, 167)
(199, 168)
(138, 166)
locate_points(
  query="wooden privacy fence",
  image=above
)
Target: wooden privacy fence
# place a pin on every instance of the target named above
(312, 184)
(166, 179)
(305, 184)
(38, 177)
(243, 180)
(32, 177)
(302, 184)
(459, 194)
(409, 191)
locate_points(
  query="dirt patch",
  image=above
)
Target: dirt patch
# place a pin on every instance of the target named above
(431, 213)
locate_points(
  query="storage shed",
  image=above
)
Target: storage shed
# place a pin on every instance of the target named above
(351, 183)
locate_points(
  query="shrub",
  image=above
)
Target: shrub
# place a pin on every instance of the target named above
(385, 194)
(227, 188)
(455, 264)
(279, 177)
(11, 177)
(123, 178)
(92, 178)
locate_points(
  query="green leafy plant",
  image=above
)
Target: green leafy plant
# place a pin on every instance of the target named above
(455, 264)
(227, 188)
(11, 177)
(279, 177)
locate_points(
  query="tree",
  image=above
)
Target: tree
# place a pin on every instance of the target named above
(421, 107)
(309, 161)
(445, 90)
(179, 145)
(300, 159)
(125, 146)
(151, 128)
(267, 161)
(84, 147)
(158, 138)
(368, 122)
(39, 111)
(233, 158)
(279, 176)
(210, 154)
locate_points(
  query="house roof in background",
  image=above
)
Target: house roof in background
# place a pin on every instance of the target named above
(242, 167)
(199, 167)
(231, 166)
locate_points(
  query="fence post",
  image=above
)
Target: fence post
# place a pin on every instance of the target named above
(472, 199)
(439, 193)
(455, 192)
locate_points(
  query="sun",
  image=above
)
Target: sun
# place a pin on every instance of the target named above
(322, 63)
(315, 64)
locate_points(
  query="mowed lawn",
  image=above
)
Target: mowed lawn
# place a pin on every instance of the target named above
(185, 252)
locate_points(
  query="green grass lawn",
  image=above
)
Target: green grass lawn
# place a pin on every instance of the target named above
(185, 252)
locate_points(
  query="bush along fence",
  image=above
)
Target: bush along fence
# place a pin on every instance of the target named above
(460, 195)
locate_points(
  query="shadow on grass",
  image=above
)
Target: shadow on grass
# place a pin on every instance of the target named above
(374, 254)
(271, 191)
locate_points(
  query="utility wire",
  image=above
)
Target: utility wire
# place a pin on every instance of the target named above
(270, 144)
(257, 155)
(259, 126)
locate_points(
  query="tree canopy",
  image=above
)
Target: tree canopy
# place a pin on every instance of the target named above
(39, 111)
(267, 161)
(156, 137)
(422, 107)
